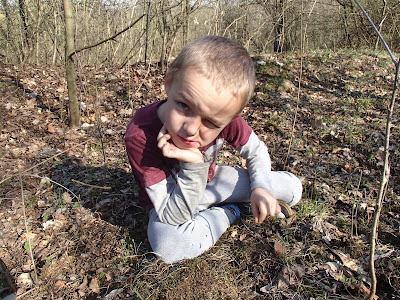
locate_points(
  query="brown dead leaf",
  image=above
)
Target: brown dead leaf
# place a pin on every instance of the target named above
(94, 285)
(51, 129)
(348, 262)
(279, 248)
(242, 237)
(66, 197)
(60, 284)
(333, 269)
(83, 284)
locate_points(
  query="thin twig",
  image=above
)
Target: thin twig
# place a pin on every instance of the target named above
(377, 31)
(93, 186)
(384, 181)
(50, 158)
(109, 38)
(354, 209)
(27, 229)
(55, 182)
(26, 293)
(303, 37)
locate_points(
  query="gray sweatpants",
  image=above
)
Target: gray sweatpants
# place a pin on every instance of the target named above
(174, 243)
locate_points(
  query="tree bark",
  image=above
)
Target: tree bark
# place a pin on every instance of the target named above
(22, 14)
(383, 17)
(146, 46)
(185, 19)
(74, 111)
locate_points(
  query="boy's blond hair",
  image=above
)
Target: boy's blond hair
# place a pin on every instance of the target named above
(220, 59)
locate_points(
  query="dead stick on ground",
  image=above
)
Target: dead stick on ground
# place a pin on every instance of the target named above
(27, 229)
(42, 162)
(56, 183)
(93, 186)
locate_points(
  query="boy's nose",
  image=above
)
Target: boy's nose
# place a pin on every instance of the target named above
(192, 126)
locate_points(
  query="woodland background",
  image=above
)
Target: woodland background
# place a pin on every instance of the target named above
(32, 31)
(70, 227)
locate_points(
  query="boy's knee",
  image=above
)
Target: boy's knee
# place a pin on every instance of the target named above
(297, 190)
(166, 249)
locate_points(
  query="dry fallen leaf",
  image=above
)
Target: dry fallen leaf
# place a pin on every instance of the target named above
(83, 284)
(94, 286)
(51, 129)
(234, 233)
(66, 197)
(279, 248)
(242, 237)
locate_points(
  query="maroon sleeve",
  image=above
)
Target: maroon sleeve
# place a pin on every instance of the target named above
(237, 132)
(148, 163)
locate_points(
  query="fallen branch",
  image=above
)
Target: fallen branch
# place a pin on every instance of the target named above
(42, 162)
(27, 230)
(93, 186)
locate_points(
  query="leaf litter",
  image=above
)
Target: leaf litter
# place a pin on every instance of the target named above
(88, 235)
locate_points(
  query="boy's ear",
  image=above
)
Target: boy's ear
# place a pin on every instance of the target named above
(167, 83)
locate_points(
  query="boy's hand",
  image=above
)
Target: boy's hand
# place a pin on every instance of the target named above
(169, 149)
(263, 204)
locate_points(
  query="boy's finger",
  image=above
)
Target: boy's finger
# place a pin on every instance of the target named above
(263, 213)
(163, 140)
(254, 210)
(163, 131)
(277, 209)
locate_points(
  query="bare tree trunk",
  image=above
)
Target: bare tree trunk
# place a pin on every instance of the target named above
(279, 27)
(55, 39)
(347, 38)
(38, 17)
(164, 35)
(22, 14)
(74, 112)
(146, 46)
(185, 25)
(383, 17)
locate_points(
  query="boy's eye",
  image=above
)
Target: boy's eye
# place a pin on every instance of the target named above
(210, 124)
(183, 105)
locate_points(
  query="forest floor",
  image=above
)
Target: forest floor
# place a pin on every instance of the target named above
(70, 226)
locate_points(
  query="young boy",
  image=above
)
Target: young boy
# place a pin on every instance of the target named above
(172, 146)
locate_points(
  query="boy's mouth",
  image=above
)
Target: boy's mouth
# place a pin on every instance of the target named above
(191, 144)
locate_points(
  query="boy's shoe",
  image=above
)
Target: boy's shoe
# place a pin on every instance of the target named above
(286, 210)
(233, 209)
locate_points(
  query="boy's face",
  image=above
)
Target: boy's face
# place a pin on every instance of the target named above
(196, 112)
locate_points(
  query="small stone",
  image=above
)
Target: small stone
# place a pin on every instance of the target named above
(41, 203)
(86, 125)
(24, 279)
(27, 268)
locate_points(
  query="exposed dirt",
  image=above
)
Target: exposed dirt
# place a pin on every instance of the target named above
(70, 226)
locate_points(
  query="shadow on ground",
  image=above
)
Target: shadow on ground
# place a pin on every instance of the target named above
(109, 193)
